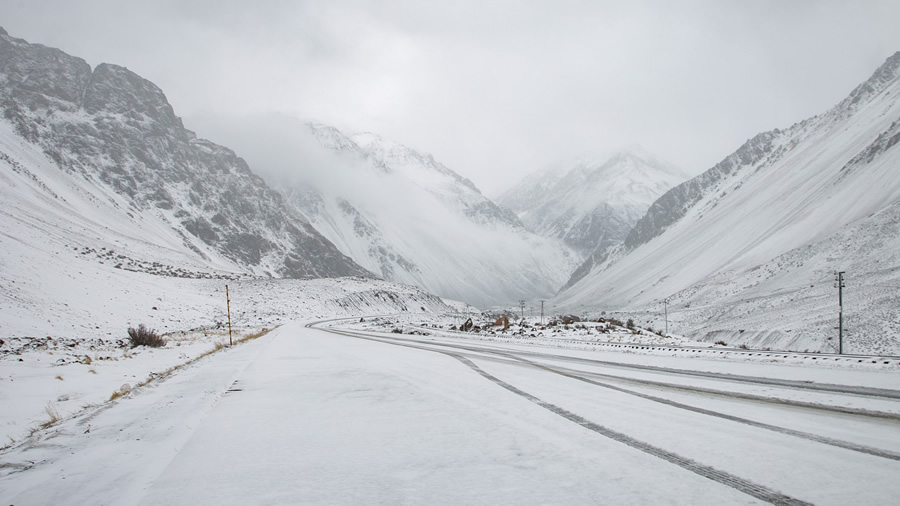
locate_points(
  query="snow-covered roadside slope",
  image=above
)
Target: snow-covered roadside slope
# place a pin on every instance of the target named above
(63, 339)
(747, 250)
(592, 202)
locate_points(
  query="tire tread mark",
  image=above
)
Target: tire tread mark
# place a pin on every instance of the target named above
(774, 428)
(748, 487)
(689, 388)
(574, 375)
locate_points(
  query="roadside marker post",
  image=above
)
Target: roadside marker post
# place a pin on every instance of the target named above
(228, 307)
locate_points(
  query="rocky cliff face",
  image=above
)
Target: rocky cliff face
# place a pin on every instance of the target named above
(110, 126)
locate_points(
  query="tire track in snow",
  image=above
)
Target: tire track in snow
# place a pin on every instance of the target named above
(753, 423)
(881, 393)
(579, 376)
(746, 486)
(734, 395)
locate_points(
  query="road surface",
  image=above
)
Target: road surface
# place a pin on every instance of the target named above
(306, 416)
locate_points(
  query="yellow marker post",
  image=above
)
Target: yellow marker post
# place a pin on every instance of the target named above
(228, 306)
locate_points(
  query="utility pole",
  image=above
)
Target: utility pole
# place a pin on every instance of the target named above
(522, 306)
(839, 284)
(542, 313)
(666, 306)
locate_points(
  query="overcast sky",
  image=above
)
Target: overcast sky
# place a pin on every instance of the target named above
(494, 89)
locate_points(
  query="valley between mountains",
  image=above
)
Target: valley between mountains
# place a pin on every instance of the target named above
(347, 319)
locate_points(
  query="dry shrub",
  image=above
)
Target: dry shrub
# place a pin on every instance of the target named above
(142, 336)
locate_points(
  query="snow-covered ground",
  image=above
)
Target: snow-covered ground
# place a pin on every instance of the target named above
(77, 365)
(301, 415)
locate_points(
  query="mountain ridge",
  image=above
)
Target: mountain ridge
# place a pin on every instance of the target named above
(117, 131)
(591, 202)
(733, 235)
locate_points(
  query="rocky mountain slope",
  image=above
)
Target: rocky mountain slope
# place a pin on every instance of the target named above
(405, 216)
(105, 149)
(591, 203)
(746, 252)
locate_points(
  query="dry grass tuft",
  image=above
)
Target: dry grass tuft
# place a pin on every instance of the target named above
(53, 413)
(218, 346)
(254, 335)
(124, 390)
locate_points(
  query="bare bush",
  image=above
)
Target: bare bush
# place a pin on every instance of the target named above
(142, 336)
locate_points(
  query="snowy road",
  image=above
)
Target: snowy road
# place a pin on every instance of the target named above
(305, 416)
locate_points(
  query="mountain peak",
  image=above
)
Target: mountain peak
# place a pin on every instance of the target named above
(367, 140)
(884, 76)
(592, 201)
(117, 90)
(889, 70)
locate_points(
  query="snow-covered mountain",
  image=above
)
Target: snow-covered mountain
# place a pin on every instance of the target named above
(99, 156)
(747, 250)
(407, 217)
(591, 203)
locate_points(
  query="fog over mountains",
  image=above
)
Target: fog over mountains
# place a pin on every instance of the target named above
(406, 217)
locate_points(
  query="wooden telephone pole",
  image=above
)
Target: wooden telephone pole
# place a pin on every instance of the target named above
(839, 284)
(666, 306)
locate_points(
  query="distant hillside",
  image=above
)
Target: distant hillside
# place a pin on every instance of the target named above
(746, 252)
(591, 204)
